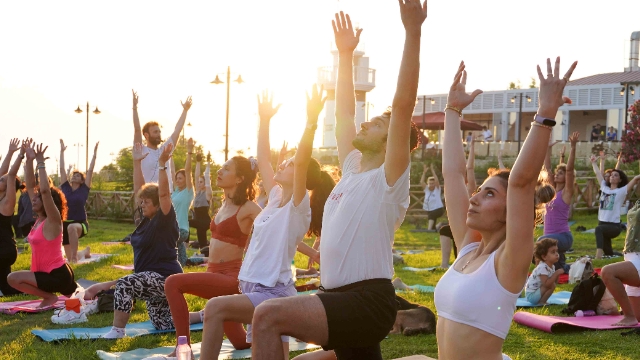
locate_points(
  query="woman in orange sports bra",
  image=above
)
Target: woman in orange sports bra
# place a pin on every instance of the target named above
(229, 233)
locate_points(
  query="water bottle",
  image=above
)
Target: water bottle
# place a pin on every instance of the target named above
(293, 271)
(581, 313)
(183, 351)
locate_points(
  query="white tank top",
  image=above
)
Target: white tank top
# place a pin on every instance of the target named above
(476, 299)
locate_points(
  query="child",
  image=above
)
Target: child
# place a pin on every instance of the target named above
(542, 281)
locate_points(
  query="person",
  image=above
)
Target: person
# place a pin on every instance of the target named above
(612, 134)
(432, 203)
(9, 183)
(76, 190)
(595, 133)
(487, 135)
(201, 204)
(230, 230)
(263, 197)
(26, 217)
(266, 272)
(556, 217)
(476, 327)
(356, 308)
(469, 139)
(613, 195)
(182, 197)
(622, 279)
(542, 281)
(155, 256)
(153, 137)
(49, 273)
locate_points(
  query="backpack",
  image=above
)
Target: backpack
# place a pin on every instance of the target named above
(581, 269)
(586, 295)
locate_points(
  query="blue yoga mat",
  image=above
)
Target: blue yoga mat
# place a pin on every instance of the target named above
(559, 298)
(135, 329)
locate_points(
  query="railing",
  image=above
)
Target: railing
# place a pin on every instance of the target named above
(363, 77)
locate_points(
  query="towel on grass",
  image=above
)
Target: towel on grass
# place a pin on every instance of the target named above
(559, 298)
(123, 267)
(408, 268)
(29, 306)
(94, 258)
(132, 330)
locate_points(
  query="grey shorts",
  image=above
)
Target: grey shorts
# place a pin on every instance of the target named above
(258, 293)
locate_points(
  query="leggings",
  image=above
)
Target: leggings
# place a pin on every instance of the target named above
(219, 280)
(182, 247)
(7, 258)
(148, 286)
(605, 231)
(201, 223)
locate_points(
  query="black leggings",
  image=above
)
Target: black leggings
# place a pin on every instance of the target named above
(605, 231)
(8, 257)
(201, 223)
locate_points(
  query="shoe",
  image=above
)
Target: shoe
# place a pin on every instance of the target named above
(69, 317)
(114, 333)
(91, 308)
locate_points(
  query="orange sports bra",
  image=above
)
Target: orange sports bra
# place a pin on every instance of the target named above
(228, 231)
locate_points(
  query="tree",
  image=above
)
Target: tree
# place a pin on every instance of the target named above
(514, 85)
(631, 137)
(533, 83)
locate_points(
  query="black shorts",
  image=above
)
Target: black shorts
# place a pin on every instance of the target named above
(359, 316)
(60, 280)
(435, 214)
(65, 233)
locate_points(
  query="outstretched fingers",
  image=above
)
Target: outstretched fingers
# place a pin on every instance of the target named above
(549, 71)
(567, 76)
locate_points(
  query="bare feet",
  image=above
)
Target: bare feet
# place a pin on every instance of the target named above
(627, 321)
(399, 285)
(84, 254)
(48, 301)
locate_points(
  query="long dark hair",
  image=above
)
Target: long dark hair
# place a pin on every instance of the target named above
(246, 189)
(320, 183)
(624, 180)
(58, 199)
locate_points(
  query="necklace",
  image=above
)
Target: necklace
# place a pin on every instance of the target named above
(465, 265)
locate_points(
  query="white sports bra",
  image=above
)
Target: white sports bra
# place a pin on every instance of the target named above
(476, 299)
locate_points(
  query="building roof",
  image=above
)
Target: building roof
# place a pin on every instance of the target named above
(608, 78)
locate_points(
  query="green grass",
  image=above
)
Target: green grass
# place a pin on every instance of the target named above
(522, 342)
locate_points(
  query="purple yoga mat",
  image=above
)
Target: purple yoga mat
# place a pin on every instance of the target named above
(556, 324)
(28, 306)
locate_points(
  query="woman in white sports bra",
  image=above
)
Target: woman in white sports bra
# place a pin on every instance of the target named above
(476, 297)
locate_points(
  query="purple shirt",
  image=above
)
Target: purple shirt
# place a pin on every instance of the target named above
(76, 199)
(556, 219)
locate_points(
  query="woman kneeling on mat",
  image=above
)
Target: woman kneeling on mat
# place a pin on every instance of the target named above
(49, 272)
(475, 328)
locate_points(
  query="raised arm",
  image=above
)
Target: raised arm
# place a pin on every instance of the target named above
(632, 183)
(29, 177)
(92, 166)
(163, 181)
(266, 110)
(138, 178)
(315, 103)
(282, 155)
(500, 163)
(513, 262)
(63, 171)
(435, 176)
(618, 161)
(596, 169)
(183, 117)
(547, 163)
(137, 130)
(562, 151)
(197, 172)
(423, 183)
(453, 170)
(53, 226)
(207, 182)
(569, 176)
(471, 173)
(14, 145)
(10, 193)
(398, 153)
(346, 41)
(187, 165)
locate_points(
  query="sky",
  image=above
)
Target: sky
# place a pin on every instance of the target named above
(59, 55)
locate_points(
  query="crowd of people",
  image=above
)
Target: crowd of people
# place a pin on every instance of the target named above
(254, 236)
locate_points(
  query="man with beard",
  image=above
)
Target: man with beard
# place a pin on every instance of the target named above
(153, 137)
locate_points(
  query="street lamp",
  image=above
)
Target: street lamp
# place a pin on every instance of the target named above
(424, 108)
(217, 81)
(96, 111)
(513, 100)
(626, 89)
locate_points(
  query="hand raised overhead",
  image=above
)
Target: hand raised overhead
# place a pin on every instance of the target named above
(39, 153)
(62, 147)
(551, 88)
(573, 138)
(315, 104)
(166, 154)
(346, 39)
(14, 145)
(413, 14)
(266, 110)
(187, 104)
(137, 152)
(458, 97)
(284, 149)
(135, 99)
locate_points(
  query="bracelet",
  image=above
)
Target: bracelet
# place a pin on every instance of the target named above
(21, 156)
(459, 111)
(535, 123)
(40, 167)
(40, 163)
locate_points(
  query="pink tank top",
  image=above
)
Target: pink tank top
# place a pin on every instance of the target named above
(556, 219)
(46, 255)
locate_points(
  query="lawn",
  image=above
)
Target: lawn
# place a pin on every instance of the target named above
(522, 343)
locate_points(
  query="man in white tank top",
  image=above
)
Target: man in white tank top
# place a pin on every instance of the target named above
(356, 306)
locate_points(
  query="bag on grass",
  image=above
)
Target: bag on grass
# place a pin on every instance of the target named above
(586, 295)
(105, 301)
(581, 269)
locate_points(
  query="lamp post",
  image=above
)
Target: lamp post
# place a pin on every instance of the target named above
(424, 108)
(86, 144)
(513, 100)
(217, 81)
(627, 88)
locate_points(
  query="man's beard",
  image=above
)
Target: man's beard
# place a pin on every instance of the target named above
(155, 141)
(365, 146)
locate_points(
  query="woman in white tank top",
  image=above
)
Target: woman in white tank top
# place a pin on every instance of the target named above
(494, 270)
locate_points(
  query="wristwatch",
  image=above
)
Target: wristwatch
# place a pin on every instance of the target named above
(162, 168)
(544, 121)
(311, 126)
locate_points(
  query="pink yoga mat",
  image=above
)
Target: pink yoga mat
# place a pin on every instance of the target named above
(556, 324)
(29, 306)
(123, 267)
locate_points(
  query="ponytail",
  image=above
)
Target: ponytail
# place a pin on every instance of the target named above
(320, 183)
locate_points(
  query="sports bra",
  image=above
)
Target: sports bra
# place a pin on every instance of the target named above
(228, 230)
(492, 306)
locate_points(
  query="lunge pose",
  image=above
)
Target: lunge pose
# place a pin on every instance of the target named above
(432, 203)
(49, 272)
(201, 204)
(498, 264)
(182, 197)
(76, 190)
(357, 308)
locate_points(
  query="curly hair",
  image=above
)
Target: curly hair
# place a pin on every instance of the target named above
(320, 183)
(414, 137)
(246, 189)
(58, 199)
(624, 180)
(542, 247)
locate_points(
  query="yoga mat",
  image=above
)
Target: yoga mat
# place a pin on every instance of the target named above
(310, 276)
(85, 283)
(570, 224)
(116, 243)
(419, 269)
(556, 324)
(559, 298)
(422, 288)
(132, 330)
(564, 278)
(123, 267)
(94, 258)
(29, 306)
(226, 352)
